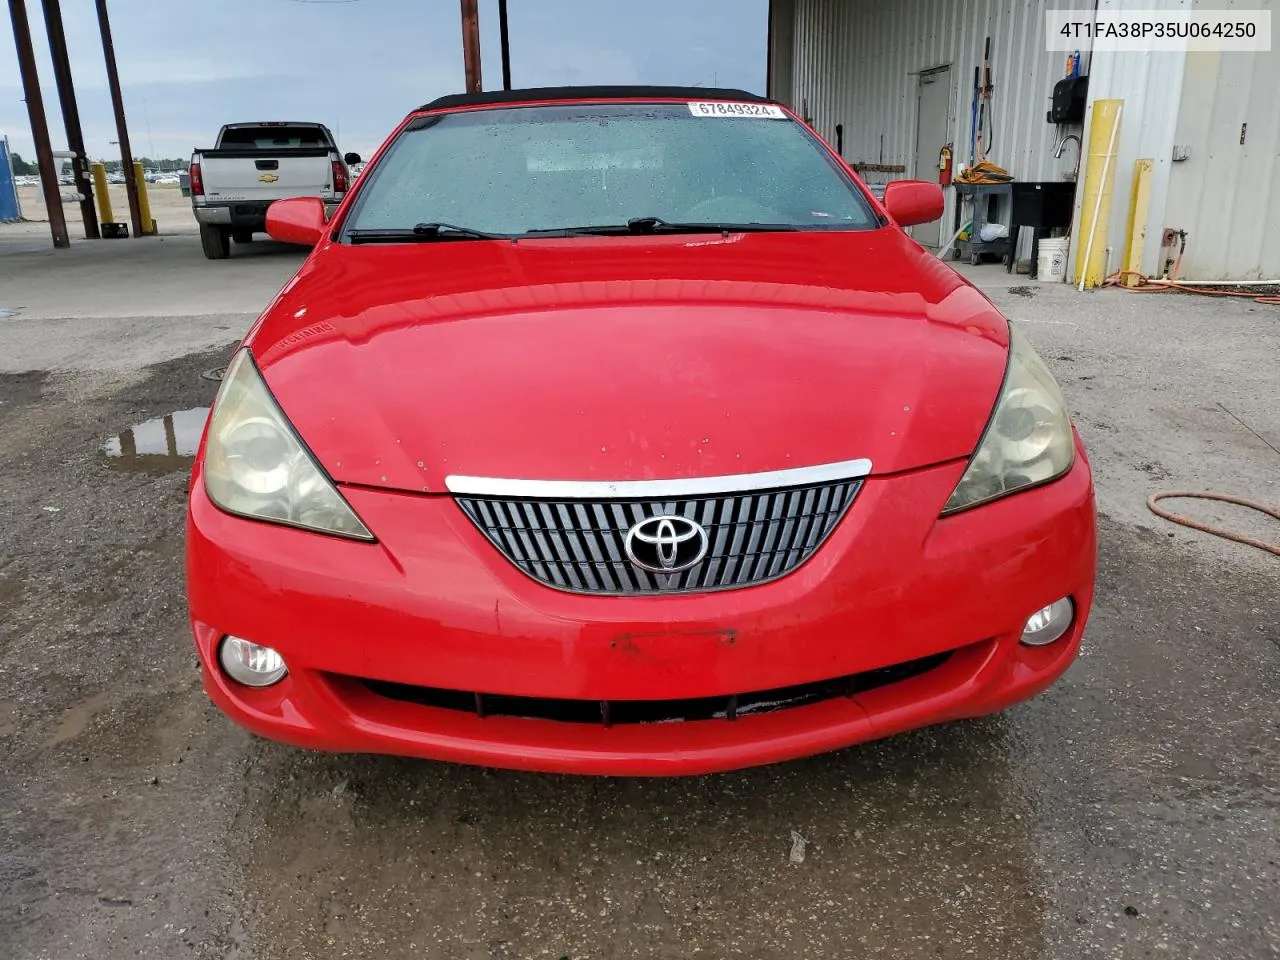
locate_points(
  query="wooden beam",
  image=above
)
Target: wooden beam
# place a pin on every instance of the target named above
(471, 45)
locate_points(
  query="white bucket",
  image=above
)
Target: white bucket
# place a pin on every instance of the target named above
(1051, 264)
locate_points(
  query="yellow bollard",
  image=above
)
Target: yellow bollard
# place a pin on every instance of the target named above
(1139, 208)
(144, 204)
(1099, 178)
(100, 190)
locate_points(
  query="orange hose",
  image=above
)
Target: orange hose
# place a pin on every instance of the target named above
(1210, 528)
(1149, 285)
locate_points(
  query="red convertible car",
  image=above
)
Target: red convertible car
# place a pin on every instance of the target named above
(623, 431)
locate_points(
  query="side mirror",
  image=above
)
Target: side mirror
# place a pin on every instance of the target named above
(351, 159)
(296, 220)
(913, 201)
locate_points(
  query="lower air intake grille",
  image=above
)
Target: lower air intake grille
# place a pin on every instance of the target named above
(620, 712)
(581, 545)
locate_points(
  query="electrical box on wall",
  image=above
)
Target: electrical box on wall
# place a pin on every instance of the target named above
(1068, 100)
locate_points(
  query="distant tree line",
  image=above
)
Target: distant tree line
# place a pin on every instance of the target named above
(22, 168)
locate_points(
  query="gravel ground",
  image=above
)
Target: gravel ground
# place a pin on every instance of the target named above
(1131, 811)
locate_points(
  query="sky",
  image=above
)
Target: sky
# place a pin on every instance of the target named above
(189, 66)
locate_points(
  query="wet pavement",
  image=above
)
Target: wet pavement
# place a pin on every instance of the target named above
(1131, 811)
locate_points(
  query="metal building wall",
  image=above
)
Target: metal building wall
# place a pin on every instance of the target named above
(1149, 83)
(856, 63)
(1226, 195)
(782, 43)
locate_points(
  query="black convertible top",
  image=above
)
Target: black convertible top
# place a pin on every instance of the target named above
(591, 93)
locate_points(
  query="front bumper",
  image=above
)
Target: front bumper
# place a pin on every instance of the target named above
(434, 605)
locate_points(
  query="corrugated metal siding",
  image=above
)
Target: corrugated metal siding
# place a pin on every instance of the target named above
(1149, 84)
(856, 62)
(1227, 195)
(782, 18)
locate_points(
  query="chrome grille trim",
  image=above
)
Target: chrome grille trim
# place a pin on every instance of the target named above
(649, 489)
(578, 545)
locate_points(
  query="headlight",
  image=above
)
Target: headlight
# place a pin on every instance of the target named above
(255, 466)
(1028, 439)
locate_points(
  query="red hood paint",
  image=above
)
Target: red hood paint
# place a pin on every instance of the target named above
(627, 358)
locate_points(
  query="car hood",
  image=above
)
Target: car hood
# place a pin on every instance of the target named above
(630, 358)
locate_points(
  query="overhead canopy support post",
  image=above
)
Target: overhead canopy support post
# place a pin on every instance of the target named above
(506, 44)
(39, 125)
(70, 114)
(122, 129)
(470, 45)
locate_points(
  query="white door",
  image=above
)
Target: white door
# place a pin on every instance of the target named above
(932, 130)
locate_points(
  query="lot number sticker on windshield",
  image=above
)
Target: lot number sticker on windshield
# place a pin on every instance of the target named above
(763, 111)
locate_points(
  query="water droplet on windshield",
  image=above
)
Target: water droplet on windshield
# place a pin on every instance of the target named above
(163, 445)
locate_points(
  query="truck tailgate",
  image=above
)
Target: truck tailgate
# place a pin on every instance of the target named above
(248, 174)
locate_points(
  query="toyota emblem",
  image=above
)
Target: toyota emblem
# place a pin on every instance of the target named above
(666, 544)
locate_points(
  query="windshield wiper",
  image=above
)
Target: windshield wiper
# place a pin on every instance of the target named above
(421, 233)
(646, 225)
(453, 230)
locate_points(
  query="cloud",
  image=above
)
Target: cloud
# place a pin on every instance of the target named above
(359, 67)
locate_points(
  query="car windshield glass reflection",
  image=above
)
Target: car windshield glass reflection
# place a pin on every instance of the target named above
(597, 168)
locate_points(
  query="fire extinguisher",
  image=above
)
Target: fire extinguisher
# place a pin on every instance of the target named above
(944, 166)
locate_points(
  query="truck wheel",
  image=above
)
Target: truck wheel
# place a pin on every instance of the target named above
(215, 241)
(242, 236)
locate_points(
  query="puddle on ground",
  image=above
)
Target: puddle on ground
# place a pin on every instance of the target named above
(75, 720)
(163, 445)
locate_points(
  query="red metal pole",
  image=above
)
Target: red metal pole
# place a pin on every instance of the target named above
(470, 45)
(39, 125)
(70, 114)
(122, 129)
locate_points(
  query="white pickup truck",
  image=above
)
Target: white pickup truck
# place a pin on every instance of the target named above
(250, 166)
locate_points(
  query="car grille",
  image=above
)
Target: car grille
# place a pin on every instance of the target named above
(578, 545)
(621, 712)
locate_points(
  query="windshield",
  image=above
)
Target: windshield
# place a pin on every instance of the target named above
(514, 170)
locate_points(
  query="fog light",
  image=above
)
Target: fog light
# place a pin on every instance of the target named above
(251, 663)
(1048, 623)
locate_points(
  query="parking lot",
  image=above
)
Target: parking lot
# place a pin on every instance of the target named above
(1131, 811)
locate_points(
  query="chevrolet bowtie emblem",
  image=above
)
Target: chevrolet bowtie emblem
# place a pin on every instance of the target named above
(268, 178)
